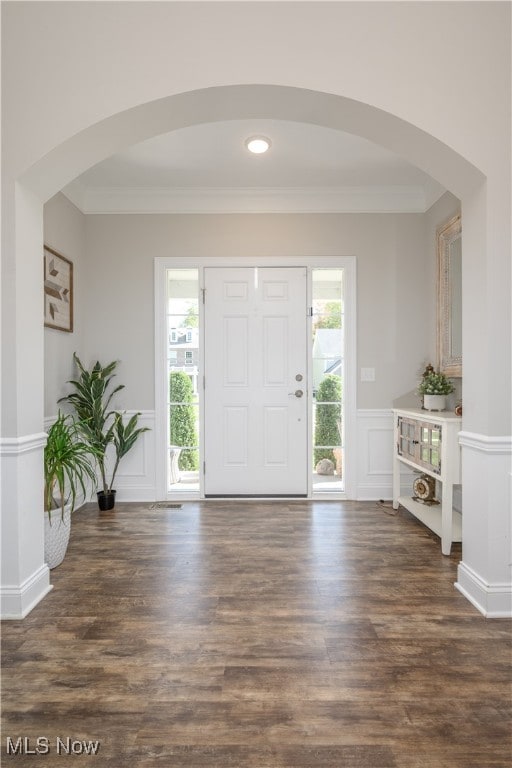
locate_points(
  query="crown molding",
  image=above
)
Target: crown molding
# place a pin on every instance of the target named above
(208, 200)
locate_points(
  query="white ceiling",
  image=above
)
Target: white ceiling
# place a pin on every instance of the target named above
(206, 168)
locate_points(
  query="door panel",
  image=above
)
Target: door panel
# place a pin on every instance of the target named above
(256, 429)
(236, 363)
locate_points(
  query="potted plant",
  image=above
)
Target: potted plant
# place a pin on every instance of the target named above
(434, 387)
(100, 426)
(68, 464)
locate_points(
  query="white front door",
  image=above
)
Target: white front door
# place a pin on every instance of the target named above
(255, 406)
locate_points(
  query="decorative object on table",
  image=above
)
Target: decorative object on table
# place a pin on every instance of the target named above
(58, 291)
(424, 488)
(458, 409)
(68, 464)
(434, 387)
(101, 427)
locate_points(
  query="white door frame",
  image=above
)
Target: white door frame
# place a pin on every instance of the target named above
(348, 264)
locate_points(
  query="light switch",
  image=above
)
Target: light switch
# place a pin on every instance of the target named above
(367, 374)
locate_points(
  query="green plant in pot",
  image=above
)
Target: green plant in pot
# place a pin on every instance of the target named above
(100, 426)
(434, 387)
(68, 465)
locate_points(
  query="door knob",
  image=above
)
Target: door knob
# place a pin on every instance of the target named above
(297, 393)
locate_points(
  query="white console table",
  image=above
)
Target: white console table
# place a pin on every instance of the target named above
(427, 441)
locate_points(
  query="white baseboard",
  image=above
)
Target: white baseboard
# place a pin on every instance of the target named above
(494, 601)
(17, 601)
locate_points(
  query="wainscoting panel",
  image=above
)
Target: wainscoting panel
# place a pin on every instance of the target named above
(375, 456)
(136, 476)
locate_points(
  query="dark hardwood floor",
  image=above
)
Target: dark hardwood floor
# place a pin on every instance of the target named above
(256, 635)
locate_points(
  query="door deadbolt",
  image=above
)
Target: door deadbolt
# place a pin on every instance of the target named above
(298, 377)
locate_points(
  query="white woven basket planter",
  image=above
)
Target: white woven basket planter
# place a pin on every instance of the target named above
(56, 537)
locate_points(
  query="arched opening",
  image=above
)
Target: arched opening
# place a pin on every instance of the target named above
(250, 101)
(230, 102)
(78, 153)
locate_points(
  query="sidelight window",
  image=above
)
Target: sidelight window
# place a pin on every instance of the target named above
(182, 376)
(327, 379)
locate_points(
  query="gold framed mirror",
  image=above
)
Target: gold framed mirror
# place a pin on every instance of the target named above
(449, 297)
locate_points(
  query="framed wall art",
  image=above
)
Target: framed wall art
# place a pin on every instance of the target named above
(58, 291)
(449, 297)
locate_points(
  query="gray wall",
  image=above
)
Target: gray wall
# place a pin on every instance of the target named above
(395, 320)
(113, 257)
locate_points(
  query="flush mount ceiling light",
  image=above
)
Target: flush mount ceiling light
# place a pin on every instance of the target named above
(258, 144)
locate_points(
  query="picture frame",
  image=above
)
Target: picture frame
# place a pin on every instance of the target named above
(449, 297)
(58, 291)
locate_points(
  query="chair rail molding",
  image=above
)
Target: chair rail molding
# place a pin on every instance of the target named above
(13, 446)
(486, 444)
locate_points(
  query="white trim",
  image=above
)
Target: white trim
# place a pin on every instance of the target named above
(493, 600)
(161, 394)
(13, 446)
(485, 443)
(207, 200)
(348, 263)
(375, 413)
(18, 601)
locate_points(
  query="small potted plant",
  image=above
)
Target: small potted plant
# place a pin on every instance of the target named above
(68, 464)
(100, 426)
(434, 387)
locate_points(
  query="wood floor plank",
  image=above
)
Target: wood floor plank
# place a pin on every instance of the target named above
(259, 634)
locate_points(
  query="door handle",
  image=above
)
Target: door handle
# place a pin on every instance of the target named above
(297, 393)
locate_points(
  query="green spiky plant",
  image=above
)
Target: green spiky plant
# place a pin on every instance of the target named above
(100, 426)
(68, 464)
(328, 417)
(124, 437)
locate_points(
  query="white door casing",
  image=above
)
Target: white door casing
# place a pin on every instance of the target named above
(161, 438)
(256, 419)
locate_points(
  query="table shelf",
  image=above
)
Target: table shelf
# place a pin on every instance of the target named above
(428, 443)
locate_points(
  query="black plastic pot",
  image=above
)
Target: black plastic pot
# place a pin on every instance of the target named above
(106, 501)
